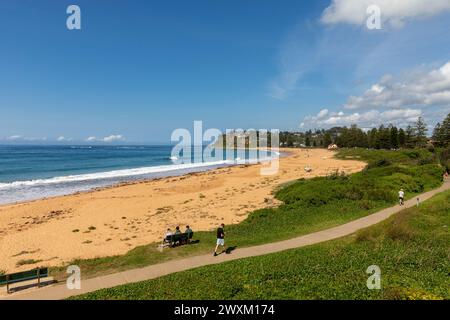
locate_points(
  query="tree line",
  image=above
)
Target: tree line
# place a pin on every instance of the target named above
(383, 137)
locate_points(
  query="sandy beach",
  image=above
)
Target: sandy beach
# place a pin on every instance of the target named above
(114, 220)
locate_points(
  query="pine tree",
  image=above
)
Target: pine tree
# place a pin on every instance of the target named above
(401, 138)
(327, 139)
(307, 141)
(421, 133)
(410, 135)
(383, 138)
(445, 131)
(394, 138)
(372, 138)
(438, 135)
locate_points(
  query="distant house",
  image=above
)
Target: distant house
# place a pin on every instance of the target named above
(333, 146)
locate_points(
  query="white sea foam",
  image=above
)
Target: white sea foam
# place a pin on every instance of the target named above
(112, 174)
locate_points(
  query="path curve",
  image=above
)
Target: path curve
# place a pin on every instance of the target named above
(155, 271)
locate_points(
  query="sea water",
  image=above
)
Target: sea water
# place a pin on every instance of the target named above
(35, 172)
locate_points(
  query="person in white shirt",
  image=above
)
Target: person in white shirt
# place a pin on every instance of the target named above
(401, 196)
(168, 237)
(169, 232)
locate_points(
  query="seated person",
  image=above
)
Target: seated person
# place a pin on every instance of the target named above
(167, 235)
(188, 231)
(177, 230)
(169, 232)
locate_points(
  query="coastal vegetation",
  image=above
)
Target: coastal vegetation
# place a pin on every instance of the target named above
(411, 249)
(384, 137)
(308, 206)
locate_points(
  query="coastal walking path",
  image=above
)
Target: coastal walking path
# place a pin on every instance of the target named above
(60, 291)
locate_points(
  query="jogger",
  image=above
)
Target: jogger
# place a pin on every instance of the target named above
(220, 238)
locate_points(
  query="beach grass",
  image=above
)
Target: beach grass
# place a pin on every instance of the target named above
(410, 248)
(309, 206)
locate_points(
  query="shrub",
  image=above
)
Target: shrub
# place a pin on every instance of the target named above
(412, 154)
(367, 235)
(380, 163)
(427, 160)
(397, 293)
(444, 158)
(382, 194)
(400, 232)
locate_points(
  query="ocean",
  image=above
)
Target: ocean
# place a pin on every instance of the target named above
(35, 172)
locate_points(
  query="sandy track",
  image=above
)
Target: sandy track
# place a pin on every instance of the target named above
(114, 220)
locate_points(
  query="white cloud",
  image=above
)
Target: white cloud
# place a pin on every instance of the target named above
(113, 138)
(35, 139)
(368, 119)
(62, 138)
(14, 137)
(108, 139)
(420, 88)
(22, 138)
(396, 100)
(393, 12)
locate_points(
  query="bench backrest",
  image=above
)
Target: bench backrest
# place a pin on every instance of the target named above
(23, 276)
(181, 236)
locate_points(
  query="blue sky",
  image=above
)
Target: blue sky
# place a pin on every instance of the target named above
(137, 70)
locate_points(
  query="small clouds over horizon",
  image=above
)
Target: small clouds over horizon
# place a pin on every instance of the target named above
(393, 13)
(61, 139)
(17, 137)
(107, 139)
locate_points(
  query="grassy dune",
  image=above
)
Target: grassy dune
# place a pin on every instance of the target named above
(411, 248)
(309, 205)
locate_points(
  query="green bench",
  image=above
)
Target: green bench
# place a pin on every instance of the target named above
(182, 238)
(17, 277)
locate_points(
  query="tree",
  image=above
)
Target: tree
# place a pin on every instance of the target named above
(327, 139)
(437, 136)
(410, 135)
(383, 138)
(401, 138)
(290, 141)
(372, 138)
(307, 141)
(394, 137)
(446, 130)
(441, 133)
(421, 132)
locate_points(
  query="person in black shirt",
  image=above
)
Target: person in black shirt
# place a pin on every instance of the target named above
(220, 238)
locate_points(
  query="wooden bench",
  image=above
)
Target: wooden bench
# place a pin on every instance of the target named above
(182, 238)
(23, 276)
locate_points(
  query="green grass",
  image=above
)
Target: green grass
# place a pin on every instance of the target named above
(411, 248)
(309, 205)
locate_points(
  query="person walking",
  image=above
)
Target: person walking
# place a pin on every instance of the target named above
(401, 197)
(220, 238)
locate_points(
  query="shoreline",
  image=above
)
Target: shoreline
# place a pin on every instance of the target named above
(136, 179)
(115, 219)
